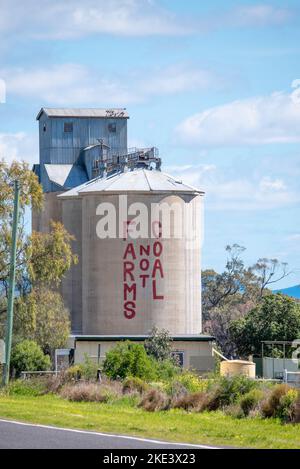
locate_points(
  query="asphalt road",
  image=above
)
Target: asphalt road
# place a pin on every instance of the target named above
(17, 435)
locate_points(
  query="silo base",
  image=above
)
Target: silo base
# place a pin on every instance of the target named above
(193, 351)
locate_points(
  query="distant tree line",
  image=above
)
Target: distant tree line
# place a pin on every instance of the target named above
(239, 308)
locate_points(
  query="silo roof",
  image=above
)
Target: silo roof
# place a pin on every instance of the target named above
(113, 113)
(139, 180)
(66, 175)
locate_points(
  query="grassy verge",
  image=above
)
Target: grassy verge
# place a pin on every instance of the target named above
(122, 417)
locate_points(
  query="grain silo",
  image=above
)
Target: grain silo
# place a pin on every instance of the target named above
(138, 238)
(136, 277)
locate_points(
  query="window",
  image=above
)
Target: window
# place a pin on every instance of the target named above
(112, 127)
(44, 128)
(179, 357)
(68, 127)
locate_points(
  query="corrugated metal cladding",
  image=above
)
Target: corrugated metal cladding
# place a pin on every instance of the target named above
(65, 133)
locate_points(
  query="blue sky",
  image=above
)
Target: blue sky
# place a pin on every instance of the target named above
(212, 84)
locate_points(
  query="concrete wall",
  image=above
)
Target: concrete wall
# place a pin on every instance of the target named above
(52, 210)
(72, 283)
(179, 311)
(197, 355)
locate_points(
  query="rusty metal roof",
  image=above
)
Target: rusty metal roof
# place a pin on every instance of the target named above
(139, 180)
(110, 113)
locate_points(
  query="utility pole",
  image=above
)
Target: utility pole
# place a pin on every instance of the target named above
(11, 291)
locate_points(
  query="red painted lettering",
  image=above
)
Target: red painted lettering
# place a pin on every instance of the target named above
(128, 268)
(157, 248)
(129, 251)
(144, 264)
(129, 289)
(155, 295)
(157, 267)
(144, 278)
(129, 309)
(145, 250)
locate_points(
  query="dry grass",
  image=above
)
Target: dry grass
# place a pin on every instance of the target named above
(84, 392)
(155, 400)
(196, 401)
(270, 405)
(296, 411)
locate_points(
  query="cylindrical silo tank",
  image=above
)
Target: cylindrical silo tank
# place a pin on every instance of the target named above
(141, 254)
(237, 367)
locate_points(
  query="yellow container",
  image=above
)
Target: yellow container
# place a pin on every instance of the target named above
(237, 367)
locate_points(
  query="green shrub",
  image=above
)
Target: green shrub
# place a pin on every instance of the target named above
(74, 372)
(192, 382)
(272, 404)
(88, 369)
(132, 384)
(227, 391)
(159, 344)
(165, 369)
(28, 356)
(286, 409)
(296, 413)
(129, 359)
(250, 400)
(29, 387)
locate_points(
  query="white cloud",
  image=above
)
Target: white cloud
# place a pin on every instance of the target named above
(294, 237)
(272, 185)
(18, 146)
(261, 120)
(228, 193)
(259, 15)
(176, 79)
(62, 20)
(75, 84)
(73, 18)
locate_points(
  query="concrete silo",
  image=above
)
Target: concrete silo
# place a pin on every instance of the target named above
(140, 262)
(137, 230)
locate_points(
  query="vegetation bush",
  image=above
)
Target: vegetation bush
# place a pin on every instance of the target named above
(234, 410)
(74, 372)
(84, 392)
(250, 400)
(286, 411)
(87, 370)
(132, 384)
(26, 387)
(272, 403)
(129, 359)
(159, 345)
(196, 401)
(155, 400)
(296, 413)
(54, 383)
(28, 356)
(192, 382)
(227, 391)
(165, 369)
(282, 403)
